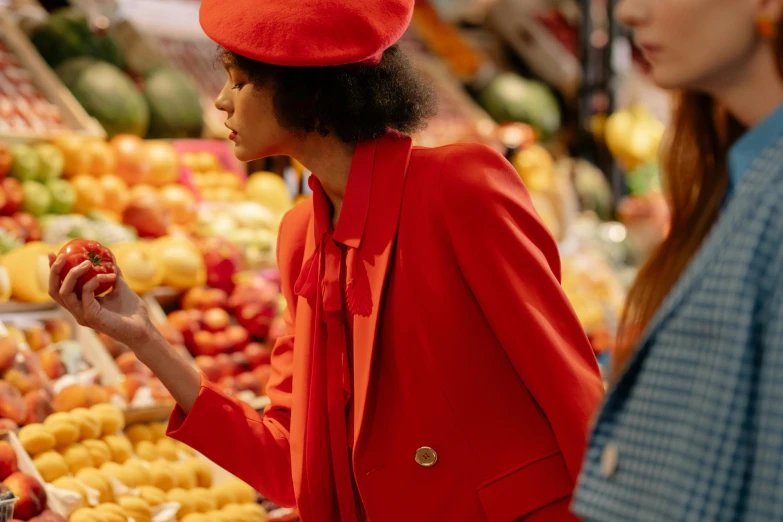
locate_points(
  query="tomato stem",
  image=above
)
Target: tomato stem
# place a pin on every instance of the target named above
(94, 258)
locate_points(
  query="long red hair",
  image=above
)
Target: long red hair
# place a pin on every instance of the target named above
(696, 177)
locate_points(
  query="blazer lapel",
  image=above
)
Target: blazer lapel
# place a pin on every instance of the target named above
(303, 342)
(388, 180)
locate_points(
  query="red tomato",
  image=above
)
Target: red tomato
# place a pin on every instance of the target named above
(102, 260)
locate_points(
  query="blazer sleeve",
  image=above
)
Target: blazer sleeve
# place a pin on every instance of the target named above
(252, 446)
(511, 264)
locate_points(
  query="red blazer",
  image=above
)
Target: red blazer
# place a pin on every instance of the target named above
(471, 349)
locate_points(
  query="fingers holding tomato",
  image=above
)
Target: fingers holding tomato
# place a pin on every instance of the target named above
(88, 259)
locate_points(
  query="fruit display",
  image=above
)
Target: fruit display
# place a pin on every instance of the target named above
(634, 137)
(174, 103)
(508, 97)
(23, 107)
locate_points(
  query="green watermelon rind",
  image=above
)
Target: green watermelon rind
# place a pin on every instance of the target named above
(175, 105)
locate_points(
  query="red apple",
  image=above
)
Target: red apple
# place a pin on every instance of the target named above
(14, 196)
(263, 372)
(9, 348)
(13, 228)
(30, 227)
(12, 405)
(215, 298)
(241, 363)
(148, 215)
(51, 364)
(238, 337)
(8, 462)
(186, 323)
(194, 298)
(229, 385)
(8, 425)
(222, 342)
(49, 516)
(203, 343)
(39, 406)
(216, 320)
(30, 494)
(223, 259)
(248, 382)
(225, 365)
(258, 354)
(208, 367)
(255, 305)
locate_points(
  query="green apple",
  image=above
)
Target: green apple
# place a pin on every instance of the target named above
(26, 163)
(37, 198)
(52, 161)
(63, 196)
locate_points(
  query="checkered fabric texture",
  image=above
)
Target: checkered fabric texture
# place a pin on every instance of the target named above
(697, 420)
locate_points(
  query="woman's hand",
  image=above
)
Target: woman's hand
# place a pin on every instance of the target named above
(121, 314)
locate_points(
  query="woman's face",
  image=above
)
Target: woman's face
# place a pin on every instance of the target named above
(251, 118)
(696, 44)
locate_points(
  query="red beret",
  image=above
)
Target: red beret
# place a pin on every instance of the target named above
(306, 32)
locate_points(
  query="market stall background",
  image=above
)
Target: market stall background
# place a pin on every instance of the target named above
(108, 132)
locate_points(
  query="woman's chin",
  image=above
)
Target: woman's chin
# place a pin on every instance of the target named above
(242, 153)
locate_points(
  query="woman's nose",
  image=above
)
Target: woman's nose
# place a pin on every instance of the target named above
(223, 102)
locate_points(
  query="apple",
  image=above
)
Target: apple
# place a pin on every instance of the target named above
(49, 516)
(216, 320)
(148, 215)
(51, 161)
(51, 364)
(247, 381)
(203, 343)
(13, 228)
(216, 298)
(39, 406)
(31, 228)
(255, 305)
(208, 367)
(37, 198)
(258, 354)
(26, 163)
(263, 372)
(8, 425)
(225, 365)
(37, 337)
(193, 298)
(241, 362)
(187, 324)
(30, 493)
(14, 196)
(59, 329)
(228, 385)
(63, 196)
(9, 347)
(238, 337)
(6, 159)
(8, 462)
(223, 260)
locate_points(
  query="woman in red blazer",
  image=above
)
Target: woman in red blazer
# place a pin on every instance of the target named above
(433, 369)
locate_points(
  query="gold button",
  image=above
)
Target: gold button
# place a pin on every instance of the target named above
(426, 457)
(609, 460)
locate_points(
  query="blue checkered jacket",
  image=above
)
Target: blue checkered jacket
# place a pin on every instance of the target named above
(694, 430)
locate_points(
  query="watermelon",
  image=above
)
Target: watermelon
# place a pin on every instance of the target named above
(107, 94)
(66, 34)
(175, 105)
(509, 98)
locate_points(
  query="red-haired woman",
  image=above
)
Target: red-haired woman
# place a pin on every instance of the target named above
(693, 429)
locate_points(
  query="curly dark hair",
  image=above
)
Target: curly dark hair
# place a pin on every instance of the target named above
(354, 102)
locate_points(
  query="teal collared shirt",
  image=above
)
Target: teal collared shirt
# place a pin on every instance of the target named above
(750, 146)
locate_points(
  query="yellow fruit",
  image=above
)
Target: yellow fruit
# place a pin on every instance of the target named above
(111, 418)
(36, 439)
(187, 450)
(183, 498)
(72, 484)
(97, 481)
(51, 465)
(99, 451)
(143, 475)
(162, 475)
(28, 268)
(154, 496)
(147, 450)
(85, 515)
(237, 513)
(138, 433)
(219, 516)
(256, 512)
(63, 427)
(203, 500)
(243, 492)
(167, 449)
(111, 513)
(196, 517)
(136, 508)
(158, 430)
(125, 474)
(224, 495)
(269, 190)
(89, 425)
(120, 447)
(78, 457)
(202, 470)
(186, 477)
